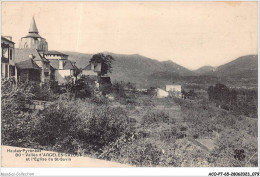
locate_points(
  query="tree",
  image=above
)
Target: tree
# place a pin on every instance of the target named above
(105, 60)
(223, 96)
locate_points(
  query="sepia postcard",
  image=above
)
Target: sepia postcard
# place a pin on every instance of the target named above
(130, 84)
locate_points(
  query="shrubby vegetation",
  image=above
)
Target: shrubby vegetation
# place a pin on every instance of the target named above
(64, 126)
(134, 128)
(239, 101)
(91, 127)
(231, 132)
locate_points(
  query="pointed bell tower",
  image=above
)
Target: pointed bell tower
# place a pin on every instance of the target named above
(33, 40)
(33, 27)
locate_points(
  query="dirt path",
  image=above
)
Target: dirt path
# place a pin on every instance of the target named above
(11, 158)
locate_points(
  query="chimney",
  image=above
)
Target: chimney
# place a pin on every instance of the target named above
(60, 64)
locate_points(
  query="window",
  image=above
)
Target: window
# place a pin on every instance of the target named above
(11, 54)
(5, 52)
(6, 70)
(3, 70)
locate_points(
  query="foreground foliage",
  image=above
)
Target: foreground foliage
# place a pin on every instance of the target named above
(142, 132)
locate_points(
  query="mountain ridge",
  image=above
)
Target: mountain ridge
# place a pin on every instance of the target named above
(147, 72)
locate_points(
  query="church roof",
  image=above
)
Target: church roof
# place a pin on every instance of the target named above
(23, 54)
(33, 27)
(54, 52)
(33, 30)
(34, 35)
(27, 64)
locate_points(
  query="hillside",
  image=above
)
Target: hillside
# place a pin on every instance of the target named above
(143, 71)
(245, 66)
(147, 72)
(242, 71)
(204, 70)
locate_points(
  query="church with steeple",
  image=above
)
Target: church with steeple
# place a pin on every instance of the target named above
(33, 40)
(35, 62)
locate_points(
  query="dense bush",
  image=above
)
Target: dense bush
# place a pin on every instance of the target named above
(168, 133)
(157, 117)
(239, 101)
(228, 143)
(145, 154)
(89, 125)
(161, 137)
(18, 130)
(99, 100)
(84, 87)
(125, 92)
(231, 133)
(138, 152)
(16, 125)
(65, 126)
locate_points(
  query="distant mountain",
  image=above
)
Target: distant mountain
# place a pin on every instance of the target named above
(204, 70)
(242, 71)
(143, 71)
(147, 72)
(245, 66)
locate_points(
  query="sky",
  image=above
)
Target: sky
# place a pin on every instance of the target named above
(192, 34)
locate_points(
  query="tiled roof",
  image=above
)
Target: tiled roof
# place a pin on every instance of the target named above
(3, 38)
(27, 64)
(54, 52)
(68, 64)
(52, 68)
(97, 67)
(88, 67)
(23, 54)
(54, 64)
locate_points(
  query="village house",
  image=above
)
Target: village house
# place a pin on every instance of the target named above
(64, 68)
(160, 93)
(91, 69)
(174, 90)
(7, 58)
(95, 71)
(170, 90)
(32, 66)
(28, 70)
